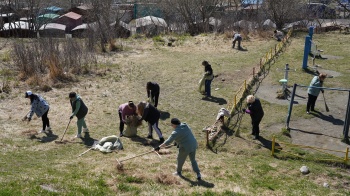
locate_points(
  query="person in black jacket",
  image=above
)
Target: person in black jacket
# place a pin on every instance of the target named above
(79, 110)
(151, 115)
(209, 76)
(153, 92)
(256, 114)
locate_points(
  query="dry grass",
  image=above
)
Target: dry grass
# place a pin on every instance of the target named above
(234, 165)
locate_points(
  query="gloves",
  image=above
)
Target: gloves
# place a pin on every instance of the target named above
(322, 90)
(71, 117)
(157, 148)
(244, 110)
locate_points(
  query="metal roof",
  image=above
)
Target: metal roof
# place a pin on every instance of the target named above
(53, 26)
(72, 15)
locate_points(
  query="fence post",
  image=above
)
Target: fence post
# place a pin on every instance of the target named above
(271, 53)
(346, 155)
(235, 101)
(273, 145)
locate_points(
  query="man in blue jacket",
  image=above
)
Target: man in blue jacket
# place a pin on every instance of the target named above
(187, 145)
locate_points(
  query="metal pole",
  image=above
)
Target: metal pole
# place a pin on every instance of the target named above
(291, 105)
(306, 51)
(286, 73)
(346, 123)
(311, 31)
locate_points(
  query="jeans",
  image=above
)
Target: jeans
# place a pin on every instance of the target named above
(207, 87)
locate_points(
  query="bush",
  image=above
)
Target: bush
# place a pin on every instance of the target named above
(50, 56)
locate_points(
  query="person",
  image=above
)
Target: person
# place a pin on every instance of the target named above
(187, 145)
(237, 38)
(153, 92)
(256, 114)
(209, 76)
(40, 107)
(278, 35)
(79, 110)
(125, 109)
(150, 114)
(313, 93)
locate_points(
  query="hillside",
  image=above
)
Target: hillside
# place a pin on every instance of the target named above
(37, 165)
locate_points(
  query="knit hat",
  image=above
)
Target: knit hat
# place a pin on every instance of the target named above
(175, 121)
(27, 94)
(72, 94)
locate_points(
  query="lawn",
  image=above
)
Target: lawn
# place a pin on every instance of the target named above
(235, 165)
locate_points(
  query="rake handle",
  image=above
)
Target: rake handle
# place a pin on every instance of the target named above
(137, 156)
(65, 130)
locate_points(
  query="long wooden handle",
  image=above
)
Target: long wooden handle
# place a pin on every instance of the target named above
(137, 155)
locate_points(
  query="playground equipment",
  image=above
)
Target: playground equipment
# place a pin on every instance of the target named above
(285, 92)
(310, 48)
(347, 116)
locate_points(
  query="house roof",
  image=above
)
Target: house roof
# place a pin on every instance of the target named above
(85, 7)
(53, 26)
(86, 26)
(148, 20)
(16, 25)
(51, 16)
(72, 15)
(53, 9)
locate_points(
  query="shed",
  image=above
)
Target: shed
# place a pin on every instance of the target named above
(85, 11)
(148, 24)
(46, 18)
(17, 29)
(84, 29)
(52, 30)
(71, 20)
(52, 10)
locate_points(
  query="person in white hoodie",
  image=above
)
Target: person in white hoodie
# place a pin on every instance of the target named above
(40, 107)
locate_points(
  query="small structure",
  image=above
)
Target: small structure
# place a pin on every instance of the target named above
(71, 20)
(84, 11)
(17, 29)
(8, 17)
(46, 18)
(52, 10)
(149, 24)
(84, 29)
(52, 30)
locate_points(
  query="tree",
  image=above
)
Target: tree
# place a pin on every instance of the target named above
(194, 14)
(282, 11)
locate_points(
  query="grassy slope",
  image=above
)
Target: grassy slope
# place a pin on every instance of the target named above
(237, 165)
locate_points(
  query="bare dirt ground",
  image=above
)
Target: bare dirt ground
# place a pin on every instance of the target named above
(324, 129)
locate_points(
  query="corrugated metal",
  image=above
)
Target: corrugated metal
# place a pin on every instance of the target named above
(53, 26)
(72, 15)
